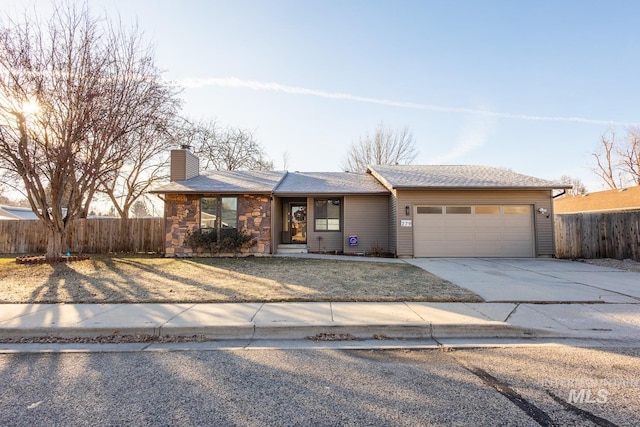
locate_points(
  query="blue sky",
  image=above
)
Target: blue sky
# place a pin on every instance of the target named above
(526, 85)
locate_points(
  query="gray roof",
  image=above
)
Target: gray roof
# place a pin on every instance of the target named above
(329, 183)
(226, 182)
(380, 180)
(457, 176)
(15, 212)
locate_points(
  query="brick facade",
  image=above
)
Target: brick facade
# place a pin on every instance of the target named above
(254, 216)
(182, 213)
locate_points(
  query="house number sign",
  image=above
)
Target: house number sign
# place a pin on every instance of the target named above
(405, 223)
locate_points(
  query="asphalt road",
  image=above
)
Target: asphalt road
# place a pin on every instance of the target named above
(517, 386)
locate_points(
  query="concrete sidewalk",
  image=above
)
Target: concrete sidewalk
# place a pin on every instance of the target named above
(526, 298)
(294, 321)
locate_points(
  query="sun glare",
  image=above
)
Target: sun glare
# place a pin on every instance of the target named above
(30, 107)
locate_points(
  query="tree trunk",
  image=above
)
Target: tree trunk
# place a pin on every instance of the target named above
(54, 243)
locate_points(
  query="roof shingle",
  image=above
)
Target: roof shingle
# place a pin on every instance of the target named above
(329, 183)
(457, 176)
(380, 180)
(601, 201)
(226, 182)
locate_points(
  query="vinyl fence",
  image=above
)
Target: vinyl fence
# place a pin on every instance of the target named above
(90, 236)
(598, 235)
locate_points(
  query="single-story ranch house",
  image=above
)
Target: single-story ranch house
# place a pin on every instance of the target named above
(407, 211)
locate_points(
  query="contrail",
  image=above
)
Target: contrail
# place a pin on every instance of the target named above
(234, 82)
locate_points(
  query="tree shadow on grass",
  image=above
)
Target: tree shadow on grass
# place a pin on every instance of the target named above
(139, 279)
(284, 279)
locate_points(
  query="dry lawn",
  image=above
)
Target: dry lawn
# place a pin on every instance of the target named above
(143, 279)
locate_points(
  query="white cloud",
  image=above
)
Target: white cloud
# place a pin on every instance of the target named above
(473, 136)
(234, 82)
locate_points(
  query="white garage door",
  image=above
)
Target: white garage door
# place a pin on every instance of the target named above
(473, 231)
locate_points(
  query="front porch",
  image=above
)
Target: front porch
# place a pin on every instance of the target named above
(292, 248)
(295, 224)
(291, 220)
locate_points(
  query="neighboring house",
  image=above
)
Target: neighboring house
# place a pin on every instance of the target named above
(408, 211)
(18, 213)
(625, 199)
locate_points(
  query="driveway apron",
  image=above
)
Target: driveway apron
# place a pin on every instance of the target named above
(535, 279)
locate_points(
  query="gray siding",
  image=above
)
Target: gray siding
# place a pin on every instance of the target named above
(545, 233)
(322, 241)
(276, 223)
(393, 223)
(543, 225)
(368, 218)
(184, 165)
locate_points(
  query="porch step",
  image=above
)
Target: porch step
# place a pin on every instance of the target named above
(292, 249)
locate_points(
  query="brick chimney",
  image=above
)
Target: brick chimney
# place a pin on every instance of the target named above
(184, 164)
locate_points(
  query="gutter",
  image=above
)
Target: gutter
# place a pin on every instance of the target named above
(447, 188)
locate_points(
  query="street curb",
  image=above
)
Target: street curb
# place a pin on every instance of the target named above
(251, 331)
(75, 332)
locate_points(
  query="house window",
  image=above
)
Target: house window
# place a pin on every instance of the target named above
(223, 208)
(229, 212)
(465, 210)
(487, 210)
(208, 212)
(516, 210)
(430, 210)
(327, 214)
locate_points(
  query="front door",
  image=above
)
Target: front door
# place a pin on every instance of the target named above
(298, 222)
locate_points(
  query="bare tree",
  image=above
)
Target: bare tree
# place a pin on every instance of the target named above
(618, 162)
(226, 148)
(145, 166)
(605, 160)
(383, 147)
(578, 186)
(139, 209)
(73, 91)
(4, 200)
(630, 156)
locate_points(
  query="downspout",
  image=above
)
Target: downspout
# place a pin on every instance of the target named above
(553, 226)
(272, 215)
(560, 194)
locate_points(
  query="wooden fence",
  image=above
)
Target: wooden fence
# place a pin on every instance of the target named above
(90, 236)
(598, 235)
(607, 235)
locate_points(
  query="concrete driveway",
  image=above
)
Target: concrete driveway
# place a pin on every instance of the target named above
(536, 279)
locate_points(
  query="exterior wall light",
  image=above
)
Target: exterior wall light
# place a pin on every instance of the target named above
(407, 210)
(542, 211)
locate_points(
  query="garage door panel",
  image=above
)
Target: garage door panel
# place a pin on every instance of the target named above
(489, 222)
(515, 252)
(490, 251)
(486, 237)
(507, 234)
(457, 237)
(519, 224)
(515, 235)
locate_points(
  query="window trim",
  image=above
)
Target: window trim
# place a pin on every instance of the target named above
(429, 210)
(218, 223)
(458, 210)
(517, 209)
(315, 215)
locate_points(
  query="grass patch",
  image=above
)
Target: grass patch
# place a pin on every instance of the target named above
(147, 279)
